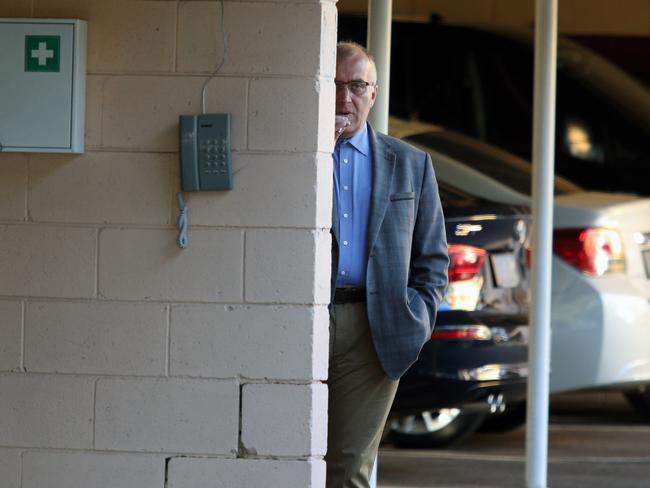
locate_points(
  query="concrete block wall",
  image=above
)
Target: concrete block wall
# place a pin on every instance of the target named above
(124, 360)
(628, 17)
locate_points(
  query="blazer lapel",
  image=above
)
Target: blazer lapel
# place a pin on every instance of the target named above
(383, 167)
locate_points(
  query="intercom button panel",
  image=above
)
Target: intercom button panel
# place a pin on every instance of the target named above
(206, 163)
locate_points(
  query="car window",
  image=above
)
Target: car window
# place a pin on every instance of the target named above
(597, 144)
(431, 77)
(479, 82)
(432, 73)
(450, 196)
(602, 121)
(505, 77)
(498, 165)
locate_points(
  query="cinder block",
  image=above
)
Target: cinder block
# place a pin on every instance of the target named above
(126, 188)
(284, 420)
(139, 113)
(13, 185)
(11, 318)
(284, 114)
(328, 28)
(284, 189)
(147, 264)
(96, 338)
(92, 470)
(46, 411)
(47, 261)
(323, 271)
(10, 468)
(326, 109)
(262, 38)
(324, 191)
(280, 266)
(94, 104)
(321, 342)
(123, 36)
(167, 415)
(254, 341)
(245, 473)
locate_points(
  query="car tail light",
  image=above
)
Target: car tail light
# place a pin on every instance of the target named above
(595, 251)
(462, 332)
(464, 262)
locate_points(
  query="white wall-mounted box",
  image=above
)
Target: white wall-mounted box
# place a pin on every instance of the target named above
(42, 85)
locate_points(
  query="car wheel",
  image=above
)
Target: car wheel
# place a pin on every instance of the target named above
(512, 417)
(640, 400)
(431, 429)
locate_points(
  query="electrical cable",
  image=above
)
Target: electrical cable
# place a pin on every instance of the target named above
(224, 52)
(183, 222)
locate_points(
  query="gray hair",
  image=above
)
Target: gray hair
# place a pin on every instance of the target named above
(350, 49)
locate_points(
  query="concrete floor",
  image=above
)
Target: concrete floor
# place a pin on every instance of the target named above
(595, 441)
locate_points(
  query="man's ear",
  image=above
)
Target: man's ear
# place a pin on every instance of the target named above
(374, 93)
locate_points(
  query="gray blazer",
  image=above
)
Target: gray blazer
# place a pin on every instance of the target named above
(407, 252)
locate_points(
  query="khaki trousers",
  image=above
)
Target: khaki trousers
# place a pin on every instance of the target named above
(360, 397)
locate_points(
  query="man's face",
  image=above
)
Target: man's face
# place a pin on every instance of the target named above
(354, 107)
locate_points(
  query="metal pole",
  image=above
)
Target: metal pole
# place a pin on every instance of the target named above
(380, 13)
(543, 169)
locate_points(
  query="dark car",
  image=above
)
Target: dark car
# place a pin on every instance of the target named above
(479, 81)
(475, 364)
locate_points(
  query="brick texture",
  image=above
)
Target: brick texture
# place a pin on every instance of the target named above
(13, 185)
(92, 470)
(280, 265)
(11, 316)
(273, 425)
(123, 35)
(272, 38)
(139, 113)
(96, 338)
(227, 473)
(123, 359)
(102, 188)
(276, 122)
(254, 341)
(47, 261)
(147, 264)
(46, 411)
(279, 201)
(161, 415)
(10, 468)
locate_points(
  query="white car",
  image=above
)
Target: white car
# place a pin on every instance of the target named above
(600, 315)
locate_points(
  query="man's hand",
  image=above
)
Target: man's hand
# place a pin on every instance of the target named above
(340, 124)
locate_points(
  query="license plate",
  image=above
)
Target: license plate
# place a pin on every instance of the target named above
(506, 270)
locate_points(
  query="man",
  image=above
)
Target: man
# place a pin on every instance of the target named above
(389, 270)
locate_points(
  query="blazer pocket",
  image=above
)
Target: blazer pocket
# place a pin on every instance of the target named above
(409, 195)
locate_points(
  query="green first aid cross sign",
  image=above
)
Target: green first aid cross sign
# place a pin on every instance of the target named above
(43, 53)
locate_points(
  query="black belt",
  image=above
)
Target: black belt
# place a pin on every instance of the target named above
(349, 295)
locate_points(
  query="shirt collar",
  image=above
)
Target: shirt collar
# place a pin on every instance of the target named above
(360, 141)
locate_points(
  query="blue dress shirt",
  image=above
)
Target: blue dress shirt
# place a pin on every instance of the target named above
(353, 187)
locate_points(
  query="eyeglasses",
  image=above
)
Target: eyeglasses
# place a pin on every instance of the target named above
(356, 87)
